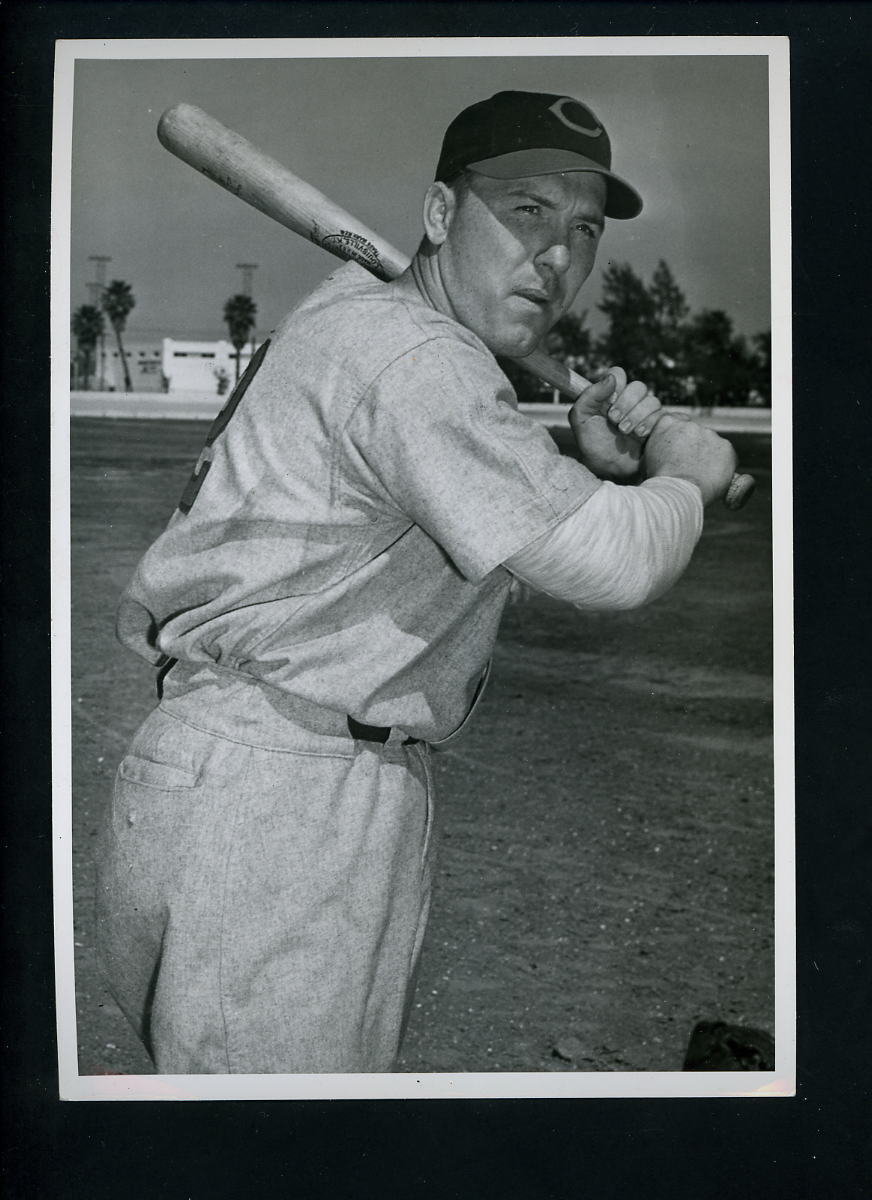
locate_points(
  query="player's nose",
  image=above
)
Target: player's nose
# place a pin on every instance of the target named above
(555, 257)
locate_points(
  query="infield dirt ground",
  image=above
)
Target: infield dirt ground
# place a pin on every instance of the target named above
(605, 870)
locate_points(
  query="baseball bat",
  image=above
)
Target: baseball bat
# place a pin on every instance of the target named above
(234, 163)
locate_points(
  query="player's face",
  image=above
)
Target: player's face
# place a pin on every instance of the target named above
(516, 253)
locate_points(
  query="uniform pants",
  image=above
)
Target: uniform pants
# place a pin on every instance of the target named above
(263, 887)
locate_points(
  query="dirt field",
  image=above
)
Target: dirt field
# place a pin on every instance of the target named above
(605, 865)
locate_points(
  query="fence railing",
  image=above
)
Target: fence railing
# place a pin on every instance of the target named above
(193, 406)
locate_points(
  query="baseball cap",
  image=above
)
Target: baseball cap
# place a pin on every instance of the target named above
(516, 134)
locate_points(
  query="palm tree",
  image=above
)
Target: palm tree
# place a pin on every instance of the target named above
(117, 301)
(87, 326)
(240, 312)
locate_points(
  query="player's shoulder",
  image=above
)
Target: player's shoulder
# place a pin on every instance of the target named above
(365, 326)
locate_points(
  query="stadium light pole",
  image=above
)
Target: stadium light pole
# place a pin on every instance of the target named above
(97, 288)
(248, 270)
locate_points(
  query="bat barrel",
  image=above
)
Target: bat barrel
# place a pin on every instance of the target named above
(231, 161)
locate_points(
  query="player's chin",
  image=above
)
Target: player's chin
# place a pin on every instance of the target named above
(517, 341)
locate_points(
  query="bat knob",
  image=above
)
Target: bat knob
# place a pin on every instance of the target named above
(739, 491)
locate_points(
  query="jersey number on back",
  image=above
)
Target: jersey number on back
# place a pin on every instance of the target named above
(204, 462)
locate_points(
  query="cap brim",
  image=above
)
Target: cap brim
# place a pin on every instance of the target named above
(622, 200)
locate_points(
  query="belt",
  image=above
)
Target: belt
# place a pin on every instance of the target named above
(373, 733)
(358, 730)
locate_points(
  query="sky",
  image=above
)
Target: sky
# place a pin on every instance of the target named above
(689, 132)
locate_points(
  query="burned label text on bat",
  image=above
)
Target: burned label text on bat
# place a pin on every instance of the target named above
(352, 245)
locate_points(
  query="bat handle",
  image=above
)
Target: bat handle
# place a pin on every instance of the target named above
(572, 384)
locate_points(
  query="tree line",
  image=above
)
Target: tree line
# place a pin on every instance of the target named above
(685, 358)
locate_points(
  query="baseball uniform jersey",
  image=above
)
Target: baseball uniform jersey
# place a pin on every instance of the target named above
(345, 530)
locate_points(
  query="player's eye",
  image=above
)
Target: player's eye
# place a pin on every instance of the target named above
(589, 231)
(533, 209)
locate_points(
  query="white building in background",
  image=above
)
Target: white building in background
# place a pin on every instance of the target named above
(144, 362)
(169, 365)
(191, 366)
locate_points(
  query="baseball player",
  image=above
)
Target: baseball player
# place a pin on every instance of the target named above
(323, 605)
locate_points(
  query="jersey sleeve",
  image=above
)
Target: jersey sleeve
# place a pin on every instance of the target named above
(623, 549)
(439, 437)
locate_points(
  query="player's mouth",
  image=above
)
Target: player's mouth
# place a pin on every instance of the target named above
(536, 305)
(535, 296)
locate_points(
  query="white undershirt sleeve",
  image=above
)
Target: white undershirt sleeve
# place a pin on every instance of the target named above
(622, 548)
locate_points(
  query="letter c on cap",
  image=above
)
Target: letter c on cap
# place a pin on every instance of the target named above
(557, 109)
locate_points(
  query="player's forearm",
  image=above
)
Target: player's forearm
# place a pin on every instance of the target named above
(620, 550)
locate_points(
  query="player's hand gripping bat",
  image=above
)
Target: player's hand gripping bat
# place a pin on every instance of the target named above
(230, 160)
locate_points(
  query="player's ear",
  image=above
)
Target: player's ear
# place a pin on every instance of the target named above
(439, 206)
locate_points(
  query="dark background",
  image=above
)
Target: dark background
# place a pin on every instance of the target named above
(815, 1145)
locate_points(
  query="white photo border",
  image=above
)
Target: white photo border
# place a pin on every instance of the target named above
(781, 1081)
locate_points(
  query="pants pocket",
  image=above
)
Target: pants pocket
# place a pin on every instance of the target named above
(166, 777)
(159, 777)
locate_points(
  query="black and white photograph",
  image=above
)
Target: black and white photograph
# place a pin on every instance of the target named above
(416, 733)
